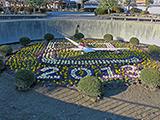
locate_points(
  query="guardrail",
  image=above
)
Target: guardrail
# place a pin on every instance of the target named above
(23, 16)
(126, 18)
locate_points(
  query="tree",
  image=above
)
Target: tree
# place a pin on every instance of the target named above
(35, 4)
(82, 3)
(130, 3)
(148, 3)
(108, 4)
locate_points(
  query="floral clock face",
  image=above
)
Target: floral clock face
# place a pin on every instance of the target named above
(59, 64)
(67, 67)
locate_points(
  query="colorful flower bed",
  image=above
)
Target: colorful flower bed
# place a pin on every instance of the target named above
(60, 65)
(27, 58)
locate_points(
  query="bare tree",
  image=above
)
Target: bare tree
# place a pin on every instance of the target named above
(148, 3)
(130, 3)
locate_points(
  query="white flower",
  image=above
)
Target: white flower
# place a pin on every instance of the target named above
(73, 72)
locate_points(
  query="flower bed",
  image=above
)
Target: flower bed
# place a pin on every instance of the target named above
(60, 65)
(26, 58)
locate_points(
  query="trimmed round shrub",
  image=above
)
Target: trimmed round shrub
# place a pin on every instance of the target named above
(153, 49)
(6, 50)
(24, 79)
(134, 41)
(150, 77)
(24, 41)
(79, 36)
(90, 86)
(49, 37)
(100, 11)
(43, 10)
(1, 65)
(108, 37)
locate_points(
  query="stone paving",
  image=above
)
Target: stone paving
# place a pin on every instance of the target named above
(111, 104)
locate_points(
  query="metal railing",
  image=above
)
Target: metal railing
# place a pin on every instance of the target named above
(128, 18)
(12, 16)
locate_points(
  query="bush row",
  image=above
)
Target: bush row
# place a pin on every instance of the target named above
(118, 9)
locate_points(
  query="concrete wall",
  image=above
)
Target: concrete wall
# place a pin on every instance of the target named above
(11, 31)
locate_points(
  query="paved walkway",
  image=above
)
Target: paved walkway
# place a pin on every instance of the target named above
(65, 104)
(111, 104)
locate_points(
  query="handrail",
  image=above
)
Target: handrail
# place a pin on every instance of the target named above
(21, 16)
(127, 18)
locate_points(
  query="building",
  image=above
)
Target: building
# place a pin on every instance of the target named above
(156, 2)
(140, 1)
(90, 6)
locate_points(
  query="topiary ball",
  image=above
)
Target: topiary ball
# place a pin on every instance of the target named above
(24, 41)
(6, 50)
(49, 37)
(153, 49)
(150, 77)
(24, 79)
(79, 36)
(108, 37)
(1, 65)
(90, 86)
(134, 41)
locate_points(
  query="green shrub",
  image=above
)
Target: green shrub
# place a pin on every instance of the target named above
(49, 37)
(151, 77)
(117, 9)
(108, 37)
(1, 65)
(144, 12)
(153, 49)
(24, 79)
(90, 86)
(134, 41)
(43, 10)
(1, 57)
(6, 50)
(24, 41)
(100, 11)
(135, 10)
(79, 36)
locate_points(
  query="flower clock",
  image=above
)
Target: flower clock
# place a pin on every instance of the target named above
(57, 62)
(78, 73)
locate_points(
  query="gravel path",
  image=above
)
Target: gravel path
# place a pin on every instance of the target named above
(64, 104)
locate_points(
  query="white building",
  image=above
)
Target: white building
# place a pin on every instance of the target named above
(156, 2)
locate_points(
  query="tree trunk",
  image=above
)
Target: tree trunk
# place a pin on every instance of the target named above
(147, 8)
(82, 4)
(109, 11)
(39, 10)
(129, 7)
(34, 10)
